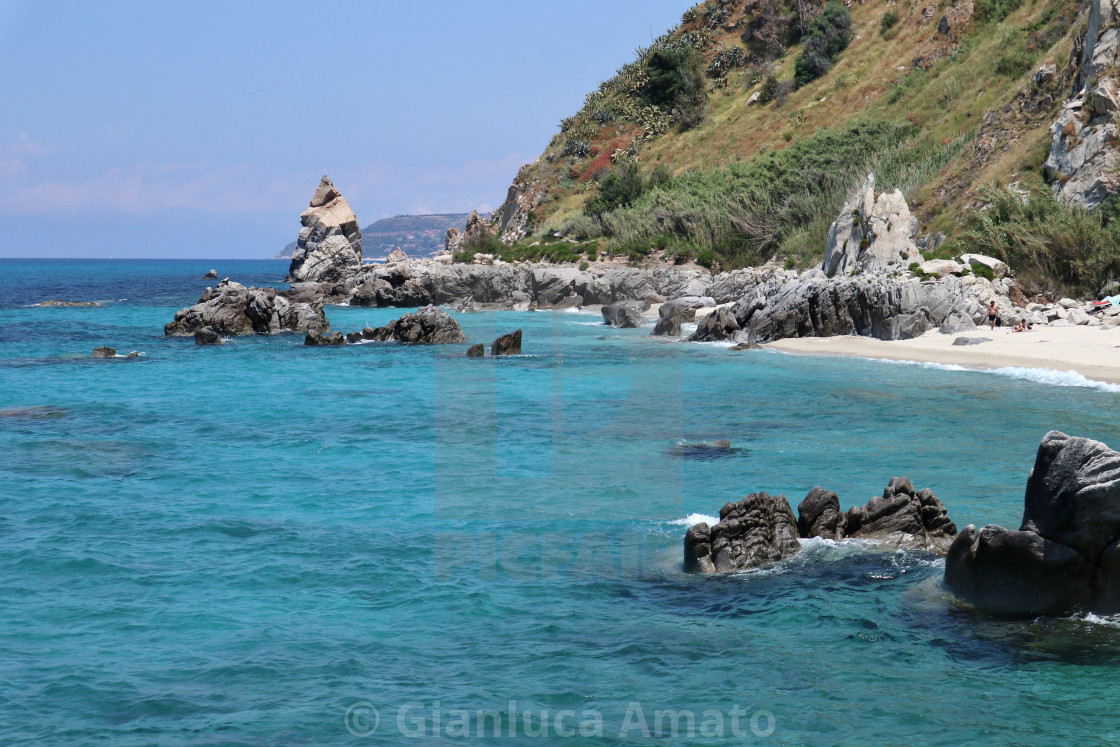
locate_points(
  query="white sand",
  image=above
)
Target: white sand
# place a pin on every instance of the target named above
(1093, 352)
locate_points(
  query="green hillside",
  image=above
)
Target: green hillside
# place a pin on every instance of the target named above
(736, 137)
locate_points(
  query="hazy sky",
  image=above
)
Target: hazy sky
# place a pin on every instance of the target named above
(200, 129)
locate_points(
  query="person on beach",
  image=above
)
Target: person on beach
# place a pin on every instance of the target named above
(993, 314)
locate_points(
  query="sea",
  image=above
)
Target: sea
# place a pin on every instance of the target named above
(264, 543)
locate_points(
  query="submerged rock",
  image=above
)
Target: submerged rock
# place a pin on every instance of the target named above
(507, 344)
(330, 242)
(428, 326)
(1065, 555)
(104, 352)
(703, 449)
(758, 530)
(54, 302)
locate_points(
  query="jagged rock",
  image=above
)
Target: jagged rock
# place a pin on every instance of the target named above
(511, 219)
(721, 324)
(956, 322)
(904, 517)
(428, 326)
(104, 352)
(232, 309)
(330, 242)
(207, 336)
(624, 314)
(757, 530)
(819, 515)
(476, 351)
(871, 233)
(452, 241)
(940, 267)
(1065, 555)
(670, 317)
(316, 338)
(397, 255)
(971, 340)
(998, 267)
(507, 344)
(212, 275)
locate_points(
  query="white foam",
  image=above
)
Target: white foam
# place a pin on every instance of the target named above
(693, 519)
(1112, 621)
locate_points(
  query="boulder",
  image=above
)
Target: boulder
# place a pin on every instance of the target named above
(1065, 555)
(477, 350)
(819, 515)
(956, 322)
(903, 517)
(212, 275)
(671, 315)
(427, 326)
(871, 234)
(998, 267)
(207, 336)
(758, 530)
(721, 324)
(625, 314)
(104, 352)
(971, 340)
(315, 338)
(395, 256)
(330, 242)
(507, 344)
(232, 309)
(940, 267)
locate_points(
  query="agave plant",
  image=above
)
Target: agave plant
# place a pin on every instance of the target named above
(576, 148)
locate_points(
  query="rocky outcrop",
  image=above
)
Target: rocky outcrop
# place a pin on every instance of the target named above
(512, 219)
(395, 256)
(819, 515)
(671, 316)
(330, 242)
(315, 338)
(232, 309)
(212, 275)
(477, 350)
(758, 530)
(624, 314)
(1065, 555)
(428, 326)
(207, 336)
(872, 233)
(507, 344)
(903, 517)
(1084, 160)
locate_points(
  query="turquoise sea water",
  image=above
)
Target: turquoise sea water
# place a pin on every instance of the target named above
(261, 543)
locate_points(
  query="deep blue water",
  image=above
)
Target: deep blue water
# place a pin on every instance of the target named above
(255, 544)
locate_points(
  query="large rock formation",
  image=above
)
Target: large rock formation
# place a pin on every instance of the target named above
(330, 242)
(871, 234)
(429, 325)
(624, 314)
(1084, 160)
(757, 530)
(1065, 555)
(512, 219)
(232, 309)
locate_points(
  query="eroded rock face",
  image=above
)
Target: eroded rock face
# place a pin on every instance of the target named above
(904, 517)
(330, 242)
(511, 219)
(755, 531)
(1065, 555)
(819, 515)
(624, 314)
(428, 326)
(232, 309)
(872, 233)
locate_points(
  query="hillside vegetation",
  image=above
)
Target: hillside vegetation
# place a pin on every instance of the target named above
(736, 137)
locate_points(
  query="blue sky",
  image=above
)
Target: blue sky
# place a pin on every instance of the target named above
(200, 129)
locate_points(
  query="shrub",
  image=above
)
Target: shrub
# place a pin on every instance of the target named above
(675, 82)
(619, 188)
(583, 266)
(887, 22)
(769, 89)
(828, 35)
(576, 148)
(994, 11)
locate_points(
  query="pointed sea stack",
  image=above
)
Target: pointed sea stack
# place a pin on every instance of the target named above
(330, 242)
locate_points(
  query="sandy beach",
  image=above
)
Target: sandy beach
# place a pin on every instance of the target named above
(1092, 352)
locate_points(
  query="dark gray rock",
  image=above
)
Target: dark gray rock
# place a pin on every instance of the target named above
(104, 352)
(758, 530)
(207, 336)
(427, 326)
(971, 340)
(819, 515)
(315, 338)
(904, 517)
(721, 324)
(671, 316)
(476, 351)
(212, 275)
(746, 346)
(943, 26)
(624, 314)
(507, 344)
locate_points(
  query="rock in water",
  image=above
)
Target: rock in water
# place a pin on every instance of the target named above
(232, 309)
(872, 233)
(212, 275)
(476, 351)
(315, 338)
(904, 517)
(330, 242)
(670, 317)
(207, 336)
(624, 314)
(104, 352)
(507, 344)
(819, 515)
(1066, 554)
(757, 530)
(428, 326)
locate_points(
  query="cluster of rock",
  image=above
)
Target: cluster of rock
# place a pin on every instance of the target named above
(872, 233)
(762, 529)
(427, 326)
(330, 242)
(107, 352)
(232, 309)
(1065, 555)
(505, 345)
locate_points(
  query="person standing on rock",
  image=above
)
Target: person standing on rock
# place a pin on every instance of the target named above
(993, 314)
